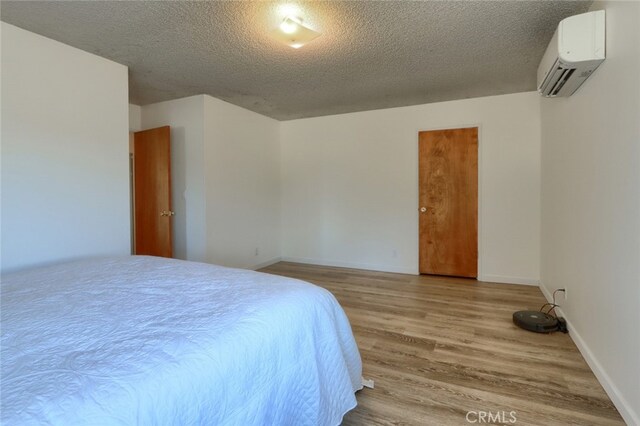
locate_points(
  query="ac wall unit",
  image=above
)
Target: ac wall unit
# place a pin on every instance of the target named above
(575, 51)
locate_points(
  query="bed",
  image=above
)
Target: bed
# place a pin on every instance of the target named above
(152, 341)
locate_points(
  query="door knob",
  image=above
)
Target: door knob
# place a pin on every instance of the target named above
(423, 209)
(167, 213)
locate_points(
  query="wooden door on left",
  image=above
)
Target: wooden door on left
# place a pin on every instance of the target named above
(448, 194)
(152, 192)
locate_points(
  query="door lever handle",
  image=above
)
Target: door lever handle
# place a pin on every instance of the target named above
(167, 213)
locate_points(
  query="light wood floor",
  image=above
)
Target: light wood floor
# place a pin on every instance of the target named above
(439, 347)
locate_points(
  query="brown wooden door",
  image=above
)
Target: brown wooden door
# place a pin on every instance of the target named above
(448, 175)
(152, 192)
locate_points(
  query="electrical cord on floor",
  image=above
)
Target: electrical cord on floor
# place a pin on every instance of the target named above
(562, 324)
(552, 307)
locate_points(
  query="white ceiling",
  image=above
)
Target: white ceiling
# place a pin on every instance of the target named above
(371, 55)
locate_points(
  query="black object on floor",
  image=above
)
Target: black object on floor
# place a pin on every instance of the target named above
(538, 322)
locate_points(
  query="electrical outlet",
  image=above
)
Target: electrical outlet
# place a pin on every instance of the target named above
(394, 253)
(564, 294)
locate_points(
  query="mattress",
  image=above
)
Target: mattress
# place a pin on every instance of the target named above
(151, 341)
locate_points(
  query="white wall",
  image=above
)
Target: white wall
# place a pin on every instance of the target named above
(591, 209)
(135, 118)
(226, 178)
(242, 173)
(185, 116)
(350, 185)
(65, 185)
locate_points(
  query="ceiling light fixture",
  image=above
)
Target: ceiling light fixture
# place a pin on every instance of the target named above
(289, 26)
(293, 33)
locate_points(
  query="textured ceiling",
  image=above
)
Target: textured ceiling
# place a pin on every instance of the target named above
(371, 55)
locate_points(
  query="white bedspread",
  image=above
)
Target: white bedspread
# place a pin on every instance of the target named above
(150, 341)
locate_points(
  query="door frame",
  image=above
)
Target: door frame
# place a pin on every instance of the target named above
(416, 210)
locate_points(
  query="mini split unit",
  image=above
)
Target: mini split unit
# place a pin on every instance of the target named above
(575, 51)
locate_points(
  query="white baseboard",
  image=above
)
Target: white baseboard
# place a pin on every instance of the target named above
(352, 265)
(410, 271)
(623, 406)
(265, 264)
(508, 280)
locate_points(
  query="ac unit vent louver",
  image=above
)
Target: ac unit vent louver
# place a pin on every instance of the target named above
(564, 76)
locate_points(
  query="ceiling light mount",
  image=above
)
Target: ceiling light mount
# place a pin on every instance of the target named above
(293, 32)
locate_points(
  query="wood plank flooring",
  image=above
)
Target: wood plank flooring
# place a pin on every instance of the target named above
(439, 347)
